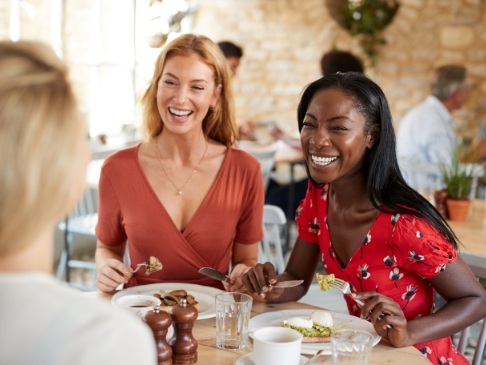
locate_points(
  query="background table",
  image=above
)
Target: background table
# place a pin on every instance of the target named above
(472, 232)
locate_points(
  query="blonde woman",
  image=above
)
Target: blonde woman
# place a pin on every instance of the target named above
(184, 195)
(44, 156)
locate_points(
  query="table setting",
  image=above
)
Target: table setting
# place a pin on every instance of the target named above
(219, 311)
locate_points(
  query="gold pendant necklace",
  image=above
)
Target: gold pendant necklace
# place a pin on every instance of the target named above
(179, 190)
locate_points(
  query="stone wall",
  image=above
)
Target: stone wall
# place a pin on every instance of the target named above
(284, 40)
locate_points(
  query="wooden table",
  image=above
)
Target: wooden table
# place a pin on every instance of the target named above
(208, 353)
(472, 232)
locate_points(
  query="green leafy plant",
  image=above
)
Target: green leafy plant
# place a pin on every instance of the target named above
(366, 19)
(458, 177)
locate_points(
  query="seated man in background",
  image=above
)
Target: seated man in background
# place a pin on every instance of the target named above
(478, 148)
(425, 137)
(44, 156)
(233, 54)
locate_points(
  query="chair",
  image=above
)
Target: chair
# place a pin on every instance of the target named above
(81, 222)
(274, 221)
(266, 157)
(478, 266)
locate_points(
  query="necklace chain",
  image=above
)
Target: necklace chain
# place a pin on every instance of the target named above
(179, 189)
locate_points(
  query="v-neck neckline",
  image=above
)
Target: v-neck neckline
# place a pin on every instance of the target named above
(210, 192)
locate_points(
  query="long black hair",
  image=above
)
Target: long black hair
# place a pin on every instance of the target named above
(387, 189)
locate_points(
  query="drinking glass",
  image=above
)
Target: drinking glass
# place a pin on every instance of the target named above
(232, 318)
(351, 347)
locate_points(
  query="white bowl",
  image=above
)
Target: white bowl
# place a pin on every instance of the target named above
(138, 303)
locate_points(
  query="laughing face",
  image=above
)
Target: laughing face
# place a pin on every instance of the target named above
(333, 136)
(185, 92)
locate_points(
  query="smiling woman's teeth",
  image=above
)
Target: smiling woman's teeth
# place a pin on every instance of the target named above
(323, 160)
(180, 113)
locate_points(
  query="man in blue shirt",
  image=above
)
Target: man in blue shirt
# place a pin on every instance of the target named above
(425, 137)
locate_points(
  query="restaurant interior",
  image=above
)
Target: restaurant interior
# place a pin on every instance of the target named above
(111, 46)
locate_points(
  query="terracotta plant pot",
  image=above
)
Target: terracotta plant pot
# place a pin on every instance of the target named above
(458, 209)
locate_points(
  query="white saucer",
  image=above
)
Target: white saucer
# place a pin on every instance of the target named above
(247, 360)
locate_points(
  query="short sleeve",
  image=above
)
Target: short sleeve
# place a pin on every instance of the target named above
(109, 229)
(425, 251)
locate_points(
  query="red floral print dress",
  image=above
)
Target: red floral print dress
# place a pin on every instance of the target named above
(397, 256)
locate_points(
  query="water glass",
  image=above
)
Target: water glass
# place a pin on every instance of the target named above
(232, 318)
(351, 347)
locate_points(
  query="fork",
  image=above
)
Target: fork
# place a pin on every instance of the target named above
(313, 358)
(139, 266)
(345, 287)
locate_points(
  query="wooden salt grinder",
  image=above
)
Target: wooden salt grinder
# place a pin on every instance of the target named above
(184, 345)
(160, 321)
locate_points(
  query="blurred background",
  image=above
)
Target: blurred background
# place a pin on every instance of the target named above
(111, 46)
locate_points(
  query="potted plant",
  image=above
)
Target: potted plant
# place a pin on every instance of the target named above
(458, 180)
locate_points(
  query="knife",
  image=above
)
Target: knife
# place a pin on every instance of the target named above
(217, 275)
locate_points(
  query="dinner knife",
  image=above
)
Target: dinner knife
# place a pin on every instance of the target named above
(217, 275)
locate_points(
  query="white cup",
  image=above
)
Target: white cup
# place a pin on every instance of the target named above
(275, 345)
(351, 347)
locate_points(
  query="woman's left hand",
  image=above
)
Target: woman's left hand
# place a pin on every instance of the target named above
(386, 316)
(235, 277)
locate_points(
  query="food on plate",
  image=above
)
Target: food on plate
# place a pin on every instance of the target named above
(324, 281)
(317, 328)
(171, 299)
(152, 265)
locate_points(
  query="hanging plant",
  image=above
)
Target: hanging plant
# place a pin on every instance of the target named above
(366, 19)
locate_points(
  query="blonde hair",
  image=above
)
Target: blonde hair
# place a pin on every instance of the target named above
(219, 124)
(40, 134)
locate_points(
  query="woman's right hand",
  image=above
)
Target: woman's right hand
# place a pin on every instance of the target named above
(112, 274)
(258, 282)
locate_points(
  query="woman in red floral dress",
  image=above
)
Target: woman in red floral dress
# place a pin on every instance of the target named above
(370, 228)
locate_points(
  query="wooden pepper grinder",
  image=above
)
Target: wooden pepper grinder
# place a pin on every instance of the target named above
(160, 321)
(184, 345)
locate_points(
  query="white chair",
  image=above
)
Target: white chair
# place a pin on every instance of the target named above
(265, 155)
(81, 222)
(274, 221)
(478, 266)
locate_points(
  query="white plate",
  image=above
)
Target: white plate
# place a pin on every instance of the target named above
(340, 320)
(247, 360)
(203, 294)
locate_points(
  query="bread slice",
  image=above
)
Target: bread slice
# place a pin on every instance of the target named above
(316, 339)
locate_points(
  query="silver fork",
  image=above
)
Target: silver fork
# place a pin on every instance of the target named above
(345, 287)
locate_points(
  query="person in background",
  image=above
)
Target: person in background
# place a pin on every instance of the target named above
(340, 61)
(44, 156)
(233, 54)
(370, 228)
(478, 147)
(278, 194)
(184, 195)
(425, 137)
(477, 154)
